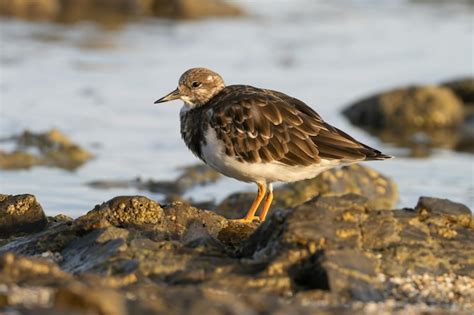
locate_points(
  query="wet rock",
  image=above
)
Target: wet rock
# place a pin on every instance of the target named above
(332, 254)
(51, 148)
(463, 88)
(189, 9)
(421, 143)
(20, 214)
(190, 177)
(417, 117)
(113, 13)
(419, 107)
(34, 10)
(380, 190)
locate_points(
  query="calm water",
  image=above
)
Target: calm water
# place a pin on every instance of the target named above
(98, 87)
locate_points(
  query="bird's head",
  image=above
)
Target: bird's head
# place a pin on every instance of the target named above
(196, 87)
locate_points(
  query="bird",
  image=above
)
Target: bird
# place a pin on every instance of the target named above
(259, 135)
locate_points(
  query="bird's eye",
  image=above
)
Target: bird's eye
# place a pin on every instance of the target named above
(195, 84)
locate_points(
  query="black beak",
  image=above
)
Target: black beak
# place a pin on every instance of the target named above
(171, 96)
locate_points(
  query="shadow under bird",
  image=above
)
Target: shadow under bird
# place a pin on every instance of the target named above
(259, 135)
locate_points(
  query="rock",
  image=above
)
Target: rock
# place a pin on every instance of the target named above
(90, 300)
(380, 190)
(190, 9)
(34, 271)
(446, 210)
(350, 245)
(417, 117)
(53, 149)
(113, 13)
(20, 214)
(30, 10)
(196, 175)
(331, 254)
(190, 177)
(421, 143)
(463, 88)
(417, 107)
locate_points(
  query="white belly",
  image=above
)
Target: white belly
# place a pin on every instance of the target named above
(214, 155)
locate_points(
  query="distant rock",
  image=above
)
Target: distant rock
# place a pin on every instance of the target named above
(191, 9)
(415, 107)
(463, 88)
(51, 148)
(131, 255)
(190, 177)
(116, 12)
(417, 117)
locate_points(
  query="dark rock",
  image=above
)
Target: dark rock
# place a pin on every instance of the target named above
(417, 117)
(196, 175)
(445, 209)
(190, 177)
(466, 142)
(463, 88)
(36, 10)
(416, 107)
(113, 13)
(20, 214)
(381, 191)
(54, 149)
(349, 245)
(334, 254)
(421, 143)
(190, 9)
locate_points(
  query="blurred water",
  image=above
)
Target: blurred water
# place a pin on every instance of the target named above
(98, 87)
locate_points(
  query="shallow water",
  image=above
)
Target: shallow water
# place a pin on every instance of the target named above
(98, 87)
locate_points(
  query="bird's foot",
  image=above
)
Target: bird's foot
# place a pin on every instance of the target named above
(247, 219)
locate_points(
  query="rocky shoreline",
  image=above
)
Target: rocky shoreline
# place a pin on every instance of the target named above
(332, 254)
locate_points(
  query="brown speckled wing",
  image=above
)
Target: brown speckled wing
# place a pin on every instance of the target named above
(258, 125)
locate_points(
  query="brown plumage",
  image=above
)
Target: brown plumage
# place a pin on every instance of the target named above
(235, 128)
(260, 125)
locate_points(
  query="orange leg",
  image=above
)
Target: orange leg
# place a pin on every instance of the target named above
(262, 189)
(266, 205)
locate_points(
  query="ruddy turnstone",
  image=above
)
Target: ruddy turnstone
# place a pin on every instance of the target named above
(259, 135)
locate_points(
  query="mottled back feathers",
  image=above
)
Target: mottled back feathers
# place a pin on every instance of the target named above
(259, 125)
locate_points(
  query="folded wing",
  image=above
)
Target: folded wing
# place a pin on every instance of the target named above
(258, 125)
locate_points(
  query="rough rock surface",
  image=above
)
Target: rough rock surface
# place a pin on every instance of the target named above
(20, 214)
(329, 255)
(51, 148)
(417, 117)
(381, 191)
(114, 12)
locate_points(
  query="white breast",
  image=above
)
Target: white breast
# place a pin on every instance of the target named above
(214, 155)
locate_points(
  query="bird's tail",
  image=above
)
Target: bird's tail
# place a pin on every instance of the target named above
(376, 155)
